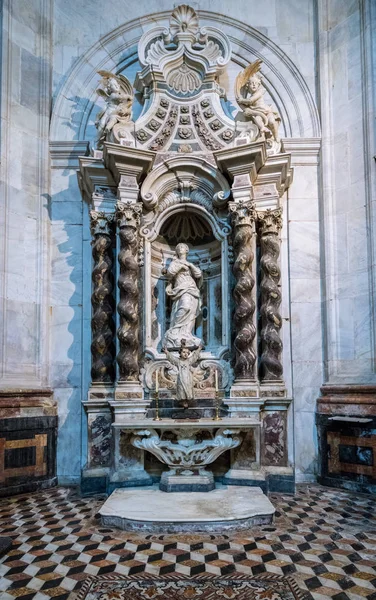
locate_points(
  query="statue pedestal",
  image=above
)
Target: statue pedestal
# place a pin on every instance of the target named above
(202, 481)
(155, 511)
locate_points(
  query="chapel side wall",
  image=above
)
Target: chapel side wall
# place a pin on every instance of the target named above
(24, 220)
(347, 88)
(70, 326)
(27, 408)
(304, 265)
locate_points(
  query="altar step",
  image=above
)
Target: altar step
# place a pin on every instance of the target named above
(152, 510)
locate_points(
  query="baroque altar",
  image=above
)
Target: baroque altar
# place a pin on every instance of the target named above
(186, 212)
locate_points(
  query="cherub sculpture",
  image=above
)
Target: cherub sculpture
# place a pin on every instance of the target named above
(249, 93)
(118, 94)
(185, 372)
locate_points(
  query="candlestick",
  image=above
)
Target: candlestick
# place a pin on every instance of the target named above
(157, 417)
(217, 406)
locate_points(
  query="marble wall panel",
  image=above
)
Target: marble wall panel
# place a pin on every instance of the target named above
(100, 440)
(346, 60)
(25, 110)
(274, 439)
(69, 436)
(305, 446)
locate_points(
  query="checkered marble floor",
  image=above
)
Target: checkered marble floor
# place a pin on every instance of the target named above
(324, 538)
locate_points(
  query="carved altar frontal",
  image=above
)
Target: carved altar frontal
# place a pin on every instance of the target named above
(186, 214)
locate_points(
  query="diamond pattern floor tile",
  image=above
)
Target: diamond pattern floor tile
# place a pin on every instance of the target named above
(325, 539)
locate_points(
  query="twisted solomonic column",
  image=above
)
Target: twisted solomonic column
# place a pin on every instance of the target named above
(128, 220)
(102, 300)
(243, 217)
(270, 224)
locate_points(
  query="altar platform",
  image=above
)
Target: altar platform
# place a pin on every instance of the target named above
(152, 510)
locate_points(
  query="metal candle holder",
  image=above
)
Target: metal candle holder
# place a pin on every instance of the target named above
(217, 407)
(157, 417)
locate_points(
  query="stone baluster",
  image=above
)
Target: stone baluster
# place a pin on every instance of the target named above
(270, 224)
(243, 217)
(102, 300)
(128, 220)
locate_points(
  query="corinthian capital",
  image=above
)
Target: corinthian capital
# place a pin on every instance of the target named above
(270, 221)
(101, 222)
(243, 213)
(128, 214)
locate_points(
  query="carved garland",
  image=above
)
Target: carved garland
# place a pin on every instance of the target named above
(102, 323)
(128, 219)
(244, 215)
(270, 224)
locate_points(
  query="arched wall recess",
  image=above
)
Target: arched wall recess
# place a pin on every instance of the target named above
(189, 154)
(75, 99)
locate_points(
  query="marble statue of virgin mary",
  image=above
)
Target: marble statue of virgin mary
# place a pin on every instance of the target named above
(185, 279)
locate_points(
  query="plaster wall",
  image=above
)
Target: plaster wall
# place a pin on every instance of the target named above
(327, 249)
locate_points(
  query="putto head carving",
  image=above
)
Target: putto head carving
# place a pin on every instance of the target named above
(184, 56)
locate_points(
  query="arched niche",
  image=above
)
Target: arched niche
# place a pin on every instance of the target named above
(194, 225)
(76, 102)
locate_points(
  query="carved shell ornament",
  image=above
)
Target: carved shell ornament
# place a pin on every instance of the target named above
(184, 19)
(184, 80)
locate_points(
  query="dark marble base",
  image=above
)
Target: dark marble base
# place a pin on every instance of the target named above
(5, 545)
(203, 482)
(186, 487)
(346, 426)
(28, 443)
(93, 485)
(284, 484)
(130, 483)
(245, 482)
(26, 487)
(351, 486)
(168, 527)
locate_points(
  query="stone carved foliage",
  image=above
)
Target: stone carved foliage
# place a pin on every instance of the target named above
(118, 95)
(243, 217)
(102, 300)
(270, 223)
(249, 93)
(203, 375)
(188, 452)
(185, 54)
(128, 220)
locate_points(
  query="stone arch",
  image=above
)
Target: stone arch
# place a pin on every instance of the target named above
(75, 99)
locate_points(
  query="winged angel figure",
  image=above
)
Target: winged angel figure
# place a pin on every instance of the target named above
(118, 95)
(249, 93)
(186, 374)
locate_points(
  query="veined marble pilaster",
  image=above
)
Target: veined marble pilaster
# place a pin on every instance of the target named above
(128, 220)
(102, 323)
(270, 224)
(243, 217)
